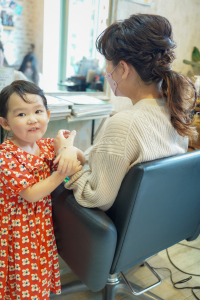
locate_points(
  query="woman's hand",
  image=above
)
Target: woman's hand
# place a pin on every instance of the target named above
(64, 139)
(75, 169)
(67, 160)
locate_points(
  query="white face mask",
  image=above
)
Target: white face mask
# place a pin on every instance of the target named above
(113, 84)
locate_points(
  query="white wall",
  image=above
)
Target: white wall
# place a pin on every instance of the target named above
(17, 42)
(38, 26)
(51, 42)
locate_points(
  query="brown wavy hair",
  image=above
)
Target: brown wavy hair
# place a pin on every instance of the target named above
(146, 42)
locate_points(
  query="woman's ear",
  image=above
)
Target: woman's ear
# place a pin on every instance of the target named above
(125, 69)
(4, 124)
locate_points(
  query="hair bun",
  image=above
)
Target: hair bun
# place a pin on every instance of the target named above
(164, 43)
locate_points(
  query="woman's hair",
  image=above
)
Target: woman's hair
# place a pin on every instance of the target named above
(146, 42)
(20, 87)
(30, 57)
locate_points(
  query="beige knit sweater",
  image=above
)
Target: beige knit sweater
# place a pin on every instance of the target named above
(140, 134)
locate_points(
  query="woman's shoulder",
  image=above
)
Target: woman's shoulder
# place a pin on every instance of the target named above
(123, 117)
(123, 121)
(144, 105)
(115, 135)
(126, 124)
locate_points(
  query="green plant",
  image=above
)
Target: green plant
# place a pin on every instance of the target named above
(196, 54)
(195, 58)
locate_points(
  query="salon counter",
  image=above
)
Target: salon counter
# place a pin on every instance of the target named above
(83, 131)
(84, 128)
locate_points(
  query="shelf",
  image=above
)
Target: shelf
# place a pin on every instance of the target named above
(8, 27)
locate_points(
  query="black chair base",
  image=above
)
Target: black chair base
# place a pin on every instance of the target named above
(115, 285)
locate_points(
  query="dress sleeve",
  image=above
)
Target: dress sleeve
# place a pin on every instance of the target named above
(49, 147)
(13, 175)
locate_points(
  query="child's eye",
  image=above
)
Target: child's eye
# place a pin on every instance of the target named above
(21, 114)
(38, 111)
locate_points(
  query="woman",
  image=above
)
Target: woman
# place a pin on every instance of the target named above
(139, 52)
(29, 67)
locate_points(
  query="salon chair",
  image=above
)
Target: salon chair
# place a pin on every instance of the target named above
(157, 206)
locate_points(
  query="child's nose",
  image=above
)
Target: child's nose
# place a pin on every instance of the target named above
(32, 119)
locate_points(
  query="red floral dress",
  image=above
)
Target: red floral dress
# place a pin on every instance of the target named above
(29, 267)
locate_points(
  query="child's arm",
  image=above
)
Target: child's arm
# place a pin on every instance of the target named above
(68, 158)
(43, 188)
(67, 154)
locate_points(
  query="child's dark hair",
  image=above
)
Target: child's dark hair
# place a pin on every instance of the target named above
(20, 87)
(146, 42)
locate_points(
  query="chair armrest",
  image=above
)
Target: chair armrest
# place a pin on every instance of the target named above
(86, 238)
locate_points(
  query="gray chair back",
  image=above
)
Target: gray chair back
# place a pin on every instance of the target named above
(157, 206)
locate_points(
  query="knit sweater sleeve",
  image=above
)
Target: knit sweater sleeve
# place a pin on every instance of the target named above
(108, 164)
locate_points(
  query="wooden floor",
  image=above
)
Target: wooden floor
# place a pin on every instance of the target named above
(185, 258)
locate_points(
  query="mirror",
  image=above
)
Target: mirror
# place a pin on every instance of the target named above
(63, 33)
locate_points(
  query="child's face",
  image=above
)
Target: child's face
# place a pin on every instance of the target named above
(28, 121)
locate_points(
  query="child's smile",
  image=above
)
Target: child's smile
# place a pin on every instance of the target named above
(34, 129)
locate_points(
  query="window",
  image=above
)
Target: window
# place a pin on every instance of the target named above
(80, 63)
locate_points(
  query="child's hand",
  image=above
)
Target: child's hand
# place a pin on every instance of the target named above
(64, 138)
(67, 161)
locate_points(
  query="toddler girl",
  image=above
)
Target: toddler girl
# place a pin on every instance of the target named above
(28, 255)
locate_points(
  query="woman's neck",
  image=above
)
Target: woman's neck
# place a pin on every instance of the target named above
(144, 91)
(31, 148)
